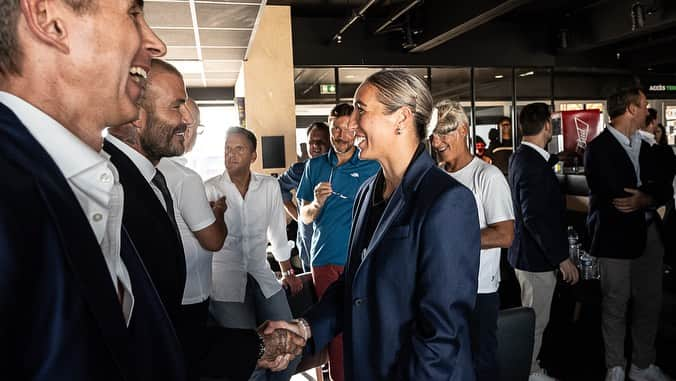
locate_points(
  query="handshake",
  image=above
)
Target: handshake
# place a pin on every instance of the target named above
(281, 342)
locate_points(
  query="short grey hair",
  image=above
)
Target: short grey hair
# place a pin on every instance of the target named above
(399, 88)
(451, 117)
(11, 55)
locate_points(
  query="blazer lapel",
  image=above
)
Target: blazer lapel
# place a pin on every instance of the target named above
(82, 254)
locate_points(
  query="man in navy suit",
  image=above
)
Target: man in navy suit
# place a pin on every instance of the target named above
(540, 244)
(625, 188)
(75, 300)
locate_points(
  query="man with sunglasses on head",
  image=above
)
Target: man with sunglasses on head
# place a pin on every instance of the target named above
(326, 193)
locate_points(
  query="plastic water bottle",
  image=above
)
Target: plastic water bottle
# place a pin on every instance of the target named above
(589, 268)
(573, 245)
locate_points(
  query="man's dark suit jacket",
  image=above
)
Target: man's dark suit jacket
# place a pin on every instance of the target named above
(154, 236)
(60, 318)
(158, 245)
(609, 170)
(404, 309)
(540, 243)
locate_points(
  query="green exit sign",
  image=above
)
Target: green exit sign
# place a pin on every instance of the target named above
(327, 89)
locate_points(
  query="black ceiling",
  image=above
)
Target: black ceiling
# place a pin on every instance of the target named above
(638, 36)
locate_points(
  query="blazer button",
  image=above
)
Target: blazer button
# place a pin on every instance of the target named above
(358, 302)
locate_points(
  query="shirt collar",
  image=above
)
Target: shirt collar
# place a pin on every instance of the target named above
(254, 181)
(538, 149)
(144, 165)
(70, 154)
(632, 142)
(332, 156)
(647, 137)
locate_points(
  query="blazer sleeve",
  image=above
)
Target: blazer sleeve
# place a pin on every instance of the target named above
(537, 211)
(326, 317)
(447, 273)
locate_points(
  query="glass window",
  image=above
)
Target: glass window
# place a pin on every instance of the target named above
(206, 158)
(351, 77)
(314, 85)
(451, 83)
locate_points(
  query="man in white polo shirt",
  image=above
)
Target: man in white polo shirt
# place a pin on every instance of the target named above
(496, 220)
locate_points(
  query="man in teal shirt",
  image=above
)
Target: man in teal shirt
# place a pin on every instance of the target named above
(326, 192)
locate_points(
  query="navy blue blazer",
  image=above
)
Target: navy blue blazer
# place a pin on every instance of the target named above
(403, 310)
(59, 314)
(154, 236)
(609, 170)
(540, 242)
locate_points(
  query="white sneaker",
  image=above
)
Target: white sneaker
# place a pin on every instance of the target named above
(651, 373)
(540, 376)
(615, 373)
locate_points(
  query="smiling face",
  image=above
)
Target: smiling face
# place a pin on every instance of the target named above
(375, 131)
(451, 145)
(111, 48)
(318, 141)
(342, 137)
(166, 116)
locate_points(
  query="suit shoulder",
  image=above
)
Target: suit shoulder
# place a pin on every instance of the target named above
(440, 184)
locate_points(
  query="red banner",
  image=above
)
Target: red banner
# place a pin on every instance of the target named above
(579, 128)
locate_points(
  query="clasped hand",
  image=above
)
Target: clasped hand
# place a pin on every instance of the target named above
(283, 342)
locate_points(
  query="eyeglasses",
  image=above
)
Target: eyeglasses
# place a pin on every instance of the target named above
(199, 129)
(340, 195)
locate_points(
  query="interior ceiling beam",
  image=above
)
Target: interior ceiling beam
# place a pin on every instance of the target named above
(470, 24)
(396, 15)
(610, 24)
(352, 20)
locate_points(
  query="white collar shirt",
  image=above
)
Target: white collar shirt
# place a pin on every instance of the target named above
(252, 221)
(538, 149)
(144, 165)
(632, 147)
(94, 181)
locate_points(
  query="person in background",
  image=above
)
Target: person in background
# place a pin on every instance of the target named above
(496, 221)
(202, 229)
(318, 141)
(625, 189)
(480, 149)
(245, 292)
(326, 193)
(76, 301)
(540, 244)
(501, 151)
(405, 299)
(661, 135)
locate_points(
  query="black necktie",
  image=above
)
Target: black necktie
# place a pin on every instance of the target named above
(161, 184)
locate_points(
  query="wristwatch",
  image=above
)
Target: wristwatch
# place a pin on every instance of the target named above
(288, 273)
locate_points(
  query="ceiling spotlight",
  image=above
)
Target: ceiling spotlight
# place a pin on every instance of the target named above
(526, 74)
(637, 16)
(338, 38)
(499, 76)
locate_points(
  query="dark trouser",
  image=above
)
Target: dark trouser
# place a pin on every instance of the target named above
(194, 322)
(483, 333)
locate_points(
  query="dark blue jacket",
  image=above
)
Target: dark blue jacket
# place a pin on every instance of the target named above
(540, 243)
(404, 309)
(609, 170)
(60, 318)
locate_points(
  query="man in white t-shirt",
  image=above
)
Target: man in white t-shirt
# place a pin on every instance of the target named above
(202, 229)
(496, 220)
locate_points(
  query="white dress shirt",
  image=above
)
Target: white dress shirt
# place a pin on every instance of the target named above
(538, 149)
(144, 165)
(94, 181)
(193, 214)
(251, 221)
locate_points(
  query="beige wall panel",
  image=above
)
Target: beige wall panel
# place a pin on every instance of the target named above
(268, 80)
